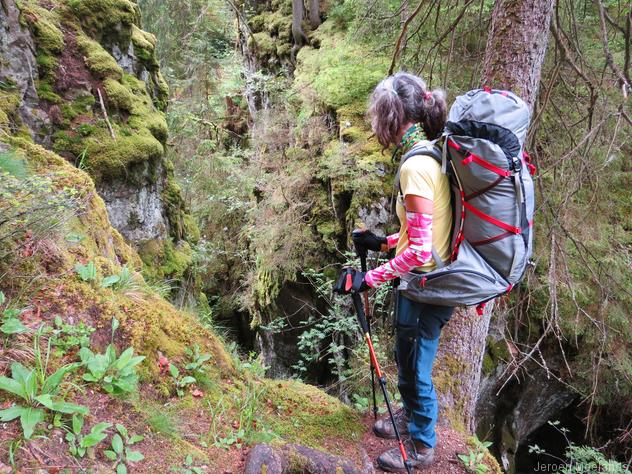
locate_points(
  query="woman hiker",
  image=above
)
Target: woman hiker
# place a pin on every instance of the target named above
(405, 113)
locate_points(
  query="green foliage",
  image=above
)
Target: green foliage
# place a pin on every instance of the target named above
(122, 281)
(11, 324)
(121, 452)
(38, 392)
(87, 272)
(79, 444)
(32, 208)
(180, 381)
(197, 362)
(473, 460)
(67, 336)
(188, 467)
(116, 375)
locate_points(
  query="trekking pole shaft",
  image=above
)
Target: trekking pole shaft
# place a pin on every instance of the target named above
(376, 365)
(367, 309)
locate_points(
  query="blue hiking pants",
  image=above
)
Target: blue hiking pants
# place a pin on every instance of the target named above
(418, 329)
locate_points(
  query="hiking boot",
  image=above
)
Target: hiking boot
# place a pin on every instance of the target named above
(419, 456)
(384, 428)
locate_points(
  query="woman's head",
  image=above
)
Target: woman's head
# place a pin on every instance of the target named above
(404, 98)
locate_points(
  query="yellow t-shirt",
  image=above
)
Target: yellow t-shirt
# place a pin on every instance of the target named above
(421, 175)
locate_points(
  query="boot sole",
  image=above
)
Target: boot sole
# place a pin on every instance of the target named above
(392, 469)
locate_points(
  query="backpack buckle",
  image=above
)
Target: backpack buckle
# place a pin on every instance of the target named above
(516, 164)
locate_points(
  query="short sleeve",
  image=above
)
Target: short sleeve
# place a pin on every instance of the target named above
(416, 177)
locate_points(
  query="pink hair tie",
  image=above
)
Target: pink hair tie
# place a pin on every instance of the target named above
(428, 95)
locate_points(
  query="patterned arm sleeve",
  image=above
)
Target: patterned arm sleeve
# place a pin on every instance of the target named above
(391, 240)
(418, 252)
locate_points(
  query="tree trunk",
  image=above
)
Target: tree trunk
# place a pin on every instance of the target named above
(513, 60)
(516, 46)
(298, 12)
(314, 13)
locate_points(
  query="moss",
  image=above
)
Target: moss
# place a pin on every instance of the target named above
(163, 259)
(9, 104)
(144, 46)
(45, 92)
(488, 458)
(45, 25)
(103, 16)
(98, 60)
(79, 106)
(263, 43)
(306, 415)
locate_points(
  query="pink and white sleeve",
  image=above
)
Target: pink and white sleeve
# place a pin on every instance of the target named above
(418, 252)
(391, 240)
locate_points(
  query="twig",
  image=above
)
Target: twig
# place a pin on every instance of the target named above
(105, 114)
(623, 81)
(402, 33)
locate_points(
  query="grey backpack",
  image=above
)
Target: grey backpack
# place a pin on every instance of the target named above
(493, 200)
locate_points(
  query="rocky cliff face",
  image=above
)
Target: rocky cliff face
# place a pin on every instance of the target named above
(80, 77)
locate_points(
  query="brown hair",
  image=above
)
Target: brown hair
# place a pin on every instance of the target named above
(403, 98)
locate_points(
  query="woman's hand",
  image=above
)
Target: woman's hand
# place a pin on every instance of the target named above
(367, 240)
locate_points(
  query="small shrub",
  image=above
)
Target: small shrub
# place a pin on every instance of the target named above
(121, 452)
(68, 336)
(79, 444)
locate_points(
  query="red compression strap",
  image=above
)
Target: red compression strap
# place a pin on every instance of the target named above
(487, 89)
(348, 282)
(453, 144)
(492, 220)
(485, 164)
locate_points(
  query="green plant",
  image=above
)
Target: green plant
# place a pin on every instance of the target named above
(115, 374)
(79, 444)
(121, 452)
(188, 467)
(197, 362)
(87, 272)
(11, 324)
(38, 391)
(67, 336)
(121, 281)
(180, 381)
(473, 460)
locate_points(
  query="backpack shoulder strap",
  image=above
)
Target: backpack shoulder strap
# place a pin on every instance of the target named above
(432, 150)
(429, 149)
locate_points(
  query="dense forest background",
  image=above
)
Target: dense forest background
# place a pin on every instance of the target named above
(226, 144)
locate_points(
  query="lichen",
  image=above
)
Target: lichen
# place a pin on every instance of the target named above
(105, 16)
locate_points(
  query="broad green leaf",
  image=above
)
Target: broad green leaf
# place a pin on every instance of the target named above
(13, 326)
(109, 281)
(100, 427)
(173, 370)
(111, 455)
(115, 325)
(93, 439)
(11, 413)
(86, 272)
(74, 238)
(124, 358)
(117, 443)
(121, 469)
(12, 386)
(51, 384)
(69, 408)
(133, 456)
(29, 418)
(85, 354)
(121, 429)
(77, 423)
(110, 354)
(135, 361)
(187, 380)
(46, 400)
(135, 439)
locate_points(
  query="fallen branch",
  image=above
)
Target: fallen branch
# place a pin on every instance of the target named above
(105, 114)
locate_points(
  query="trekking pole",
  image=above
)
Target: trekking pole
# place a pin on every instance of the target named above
(362, 253)
(357, 302)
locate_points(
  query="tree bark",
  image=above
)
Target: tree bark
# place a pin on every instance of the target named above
(516, 46)
(513, 60)
(298, 12)
(314, 13)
